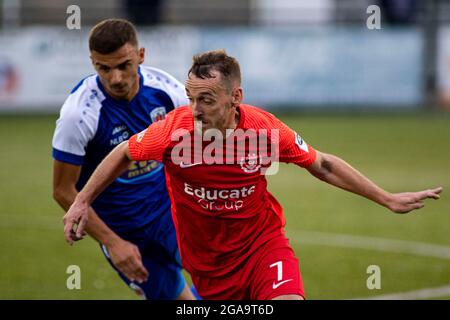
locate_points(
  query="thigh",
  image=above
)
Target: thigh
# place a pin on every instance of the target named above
(165, 279)
(271, 271)
(229, 287)
(157, 244)
(276, 272)
(160, 240)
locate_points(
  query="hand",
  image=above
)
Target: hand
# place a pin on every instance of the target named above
(127, 258)
(408, 201)
(76, 218)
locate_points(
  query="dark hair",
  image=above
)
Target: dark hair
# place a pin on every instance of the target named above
(109, 35)
(204, 63)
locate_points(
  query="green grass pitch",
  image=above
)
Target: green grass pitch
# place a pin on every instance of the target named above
(398, 152)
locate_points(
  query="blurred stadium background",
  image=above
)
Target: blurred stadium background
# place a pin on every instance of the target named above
(377, 98)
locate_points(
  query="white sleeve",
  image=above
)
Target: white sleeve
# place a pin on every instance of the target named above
(75, 127)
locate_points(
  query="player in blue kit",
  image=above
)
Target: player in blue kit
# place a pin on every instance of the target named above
(131, 219)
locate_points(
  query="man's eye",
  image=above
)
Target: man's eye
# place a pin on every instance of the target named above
(104, 69)
(124, 66)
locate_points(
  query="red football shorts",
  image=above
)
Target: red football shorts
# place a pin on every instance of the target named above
(271, 271)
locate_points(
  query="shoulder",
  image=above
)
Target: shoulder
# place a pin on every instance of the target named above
(257, 118)
(153, 142)
(81, 110)
(180, 118)
(177, 121)
(159, 79)
(85, 98)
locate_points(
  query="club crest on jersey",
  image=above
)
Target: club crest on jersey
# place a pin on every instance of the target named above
(158, 114)
(301, 143)
(250, 163)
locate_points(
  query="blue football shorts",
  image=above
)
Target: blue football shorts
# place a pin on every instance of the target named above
(157, 244)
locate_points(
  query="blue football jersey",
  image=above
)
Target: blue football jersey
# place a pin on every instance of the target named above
(92, 123)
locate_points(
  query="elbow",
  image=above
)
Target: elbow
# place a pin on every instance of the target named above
(321, 175)
(62, 197)
(327, 165)
(58, 195)
(323, 167)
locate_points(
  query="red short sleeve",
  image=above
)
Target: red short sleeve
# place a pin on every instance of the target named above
(150, 143)
(292, 148)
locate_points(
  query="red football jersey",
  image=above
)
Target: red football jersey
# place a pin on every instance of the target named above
(222, 210)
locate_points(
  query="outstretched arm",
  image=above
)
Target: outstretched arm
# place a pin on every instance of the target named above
(337, 172)
(124, 255)
(107, 171)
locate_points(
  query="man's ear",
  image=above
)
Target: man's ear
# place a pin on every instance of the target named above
(237, 96)
(141, 55)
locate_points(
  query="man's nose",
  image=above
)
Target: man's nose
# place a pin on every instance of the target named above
(116, 77)
(196, 109)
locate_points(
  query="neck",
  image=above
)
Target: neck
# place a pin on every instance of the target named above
(232, 123)
(237, 117)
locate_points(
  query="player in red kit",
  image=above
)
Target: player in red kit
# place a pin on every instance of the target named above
(216, 153)
(227, 223)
